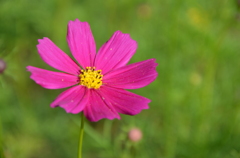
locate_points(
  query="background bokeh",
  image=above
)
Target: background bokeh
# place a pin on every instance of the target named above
(195, 108)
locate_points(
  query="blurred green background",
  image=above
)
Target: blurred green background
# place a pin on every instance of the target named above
(195, 108)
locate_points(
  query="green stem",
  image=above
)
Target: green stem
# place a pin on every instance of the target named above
(81, 137)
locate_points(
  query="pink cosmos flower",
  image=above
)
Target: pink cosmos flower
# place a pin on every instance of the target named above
(96, 80)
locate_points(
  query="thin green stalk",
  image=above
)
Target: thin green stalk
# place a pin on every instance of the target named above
(1, 143)
(81, 137)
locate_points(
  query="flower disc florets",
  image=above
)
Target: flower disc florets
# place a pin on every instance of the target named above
(91, 78)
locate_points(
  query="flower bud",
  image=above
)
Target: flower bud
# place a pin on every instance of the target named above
(2, 66)
(135, 134)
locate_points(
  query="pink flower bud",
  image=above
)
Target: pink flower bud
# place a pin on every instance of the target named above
(2, 66)
(135, 134)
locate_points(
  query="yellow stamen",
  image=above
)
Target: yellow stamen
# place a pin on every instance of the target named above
(91, 78)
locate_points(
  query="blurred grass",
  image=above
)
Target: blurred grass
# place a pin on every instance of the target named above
(195, 108)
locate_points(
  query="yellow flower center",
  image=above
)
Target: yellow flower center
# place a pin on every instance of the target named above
(91, 78)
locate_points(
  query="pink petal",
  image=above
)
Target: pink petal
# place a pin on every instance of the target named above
(123, 101)
(99, 108)
(50, 79)
(132, 76)
(81, 42)
(55, 57)
(72, 100)
(116, 52)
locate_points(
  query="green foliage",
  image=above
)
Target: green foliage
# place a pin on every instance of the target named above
(195, 108)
